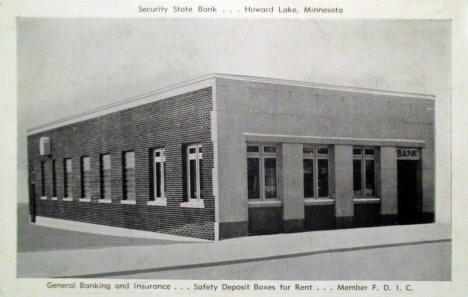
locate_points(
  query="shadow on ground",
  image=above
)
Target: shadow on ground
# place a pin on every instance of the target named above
(33, 238)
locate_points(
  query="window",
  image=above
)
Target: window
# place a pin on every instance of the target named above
(159, 174)
(194, 172)
(43, 178)
(54, 179)
(85, 178)
(105, 182)
(67, 178)
(316, 171)
(262, 175)
(128, 176)
(364, 171)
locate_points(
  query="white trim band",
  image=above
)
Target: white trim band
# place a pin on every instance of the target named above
(277, 138)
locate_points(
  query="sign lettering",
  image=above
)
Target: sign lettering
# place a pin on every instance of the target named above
(407, 154)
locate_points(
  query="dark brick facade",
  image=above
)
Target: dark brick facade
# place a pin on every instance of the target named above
(170, 124)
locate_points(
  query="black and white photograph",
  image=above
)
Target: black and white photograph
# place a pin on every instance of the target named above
(251, 149)
(208, 148)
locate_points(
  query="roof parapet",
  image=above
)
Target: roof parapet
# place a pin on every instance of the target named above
(201, 81)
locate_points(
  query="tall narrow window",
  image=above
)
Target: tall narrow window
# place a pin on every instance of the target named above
(316, 172)
(253, 178)
(85, 178)
(159, 174)
(357, 186)
(129, 176)
(364, 172)
(262, 175)
(105, 176)
(54, 179)
(270, 178)
(194, 172)
(43, 178)
(67, 178)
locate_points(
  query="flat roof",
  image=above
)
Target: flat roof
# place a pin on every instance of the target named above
(206, 81)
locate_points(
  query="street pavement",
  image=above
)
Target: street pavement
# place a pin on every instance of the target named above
(412, 262)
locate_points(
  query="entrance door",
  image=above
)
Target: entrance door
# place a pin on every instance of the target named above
(409, 191)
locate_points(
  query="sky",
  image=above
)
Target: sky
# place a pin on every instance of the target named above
(67, 66)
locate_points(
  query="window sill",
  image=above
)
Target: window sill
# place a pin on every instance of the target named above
(105, 200)
(157, 202)
(366, 200)
(193, 204)
(318, 201)
(54, 198)
(43, 197)
(85, 199)
(131, 202)
(67, 199)
(265, 203)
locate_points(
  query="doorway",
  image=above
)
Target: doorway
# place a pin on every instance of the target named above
(409, 191)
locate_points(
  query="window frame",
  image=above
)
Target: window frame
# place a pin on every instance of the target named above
(197, 156)
(43, 181)
(125, 199)
(363, 157)
(262, 156)
(67, 182)
(54, 179)
(102, 197)
(316, 156)
(161, 159)
(85, 196)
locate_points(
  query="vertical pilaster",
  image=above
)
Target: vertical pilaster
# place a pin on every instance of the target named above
(292, 187)
(344, 207)
(389, 195)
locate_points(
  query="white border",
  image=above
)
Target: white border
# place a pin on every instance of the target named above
(455, 10)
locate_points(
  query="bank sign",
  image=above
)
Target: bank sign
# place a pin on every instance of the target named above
(407, 154)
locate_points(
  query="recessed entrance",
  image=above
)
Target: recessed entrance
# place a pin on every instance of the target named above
(409, 191)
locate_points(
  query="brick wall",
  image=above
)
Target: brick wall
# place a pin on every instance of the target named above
(170, 124)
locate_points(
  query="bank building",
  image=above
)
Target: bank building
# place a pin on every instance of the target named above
(224, 156)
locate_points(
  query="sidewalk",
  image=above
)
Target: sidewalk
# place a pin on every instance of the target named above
(35, 238)
(111, 261)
